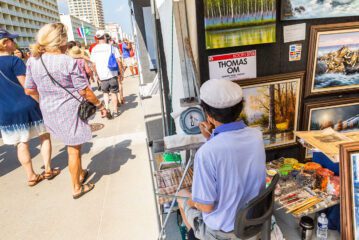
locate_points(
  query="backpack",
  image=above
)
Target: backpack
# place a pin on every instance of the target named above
(112, 62)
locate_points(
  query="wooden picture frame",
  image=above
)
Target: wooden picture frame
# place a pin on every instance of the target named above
(286, 89)
(335, 71)
(348, 217)
(310, 107)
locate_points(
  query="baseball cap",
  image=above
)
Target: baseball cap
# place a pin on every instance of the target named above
(6, 34)
(221, 93)
(100, 34)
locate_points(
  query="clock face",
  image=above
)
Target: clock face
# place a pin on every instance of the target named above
(190, 120)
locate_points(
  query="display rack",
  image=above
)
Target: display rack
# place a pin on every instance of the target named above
(157, 149)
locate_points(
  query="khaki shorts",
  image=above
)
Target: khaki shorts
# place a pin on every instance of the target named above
(201, 231)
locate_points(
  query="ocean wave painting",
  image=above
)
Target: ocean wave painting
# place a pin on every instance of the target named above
(335, 80)
(310, 9)
(337, 62)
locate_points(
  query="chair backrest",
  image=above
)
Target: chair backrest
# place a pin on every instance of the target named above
(250, 219)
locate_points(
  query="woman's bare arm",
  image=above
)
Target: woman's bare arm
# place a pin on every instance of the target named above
(88, 94)
(31, 92)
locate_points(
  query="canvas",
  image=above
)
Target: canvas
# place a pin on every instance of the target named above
(333, 65)
(231, 23)
(309, 9)
(342, 118)
(272, 107)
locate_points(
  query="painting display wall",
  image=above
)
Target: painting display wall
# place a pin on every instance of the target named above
(329, 60)
(309, 9)
(333, 65)
(271, 105)
(231, 23)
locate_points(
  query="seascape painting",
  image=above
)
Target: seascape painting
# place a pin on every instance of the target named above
(354, 159)
(231, 23)
(337, 61)
(310, 9)
(342, 118)
(272, 108)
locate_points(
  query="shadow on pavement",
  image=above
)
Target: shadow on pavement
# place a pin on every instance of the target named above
(110, 160)
(8, 157)
(61, 160)
(130, 103)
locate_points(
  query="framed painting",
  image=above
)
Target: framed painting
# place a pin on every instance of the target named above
(340, 114)
(272, 104)
(310, 9)
(232, 23)
(333, 64)
(349, 190)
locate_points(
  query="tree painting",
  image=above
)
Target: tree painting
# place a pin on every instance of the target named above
(272, 108)
(230, 23)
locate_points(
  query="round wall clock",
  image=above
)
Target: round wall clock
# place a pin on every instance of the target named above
(190, 119)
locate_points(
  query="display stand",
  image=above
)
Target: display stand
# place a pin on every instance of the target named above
(158, 148)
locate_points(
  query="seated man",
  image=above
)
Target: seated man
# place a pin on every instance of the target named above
(229, 169)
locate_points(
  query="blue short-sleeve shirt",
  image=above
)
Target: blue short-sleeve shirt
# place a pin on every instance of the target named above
(229, 171)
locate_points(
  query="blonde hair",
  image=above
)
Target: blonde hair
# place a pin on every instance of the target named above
(49, 38)
(3, 47)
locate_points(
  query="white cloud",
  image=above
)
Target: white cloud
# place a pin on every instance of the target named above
(119, 9)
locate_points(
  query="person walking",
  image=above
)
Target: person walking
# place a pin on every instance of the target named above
(20, 54)
(77, 53)
(100, 56)
(128, 60)
(49, 68)
(20, 115)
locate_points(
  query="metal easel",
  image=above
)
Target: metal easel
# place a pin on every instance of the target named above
(192, 152)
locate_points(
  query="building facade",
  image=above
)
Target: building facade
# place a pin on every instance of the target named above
(73, 23)
(114, 30)
(26, 17)
(88, 10)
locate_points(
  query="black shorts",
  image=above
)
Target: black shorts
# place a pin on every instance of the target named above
(110, 85)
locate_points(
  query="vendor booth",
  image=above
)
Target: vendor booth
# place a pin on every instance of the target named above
(298, 65)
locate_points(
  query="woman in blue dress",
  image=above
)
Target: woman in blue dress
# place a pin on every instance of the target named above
(20, 115)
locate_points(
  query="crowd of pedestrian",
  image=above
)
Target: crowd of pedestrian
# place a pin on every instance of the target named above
(45, 89)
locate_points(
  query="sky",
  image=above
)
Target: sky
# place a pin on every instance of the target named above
(339, 39)
(116, 11)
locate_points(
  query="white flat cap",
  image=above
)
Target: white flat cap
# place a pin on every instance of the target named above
(220, 93)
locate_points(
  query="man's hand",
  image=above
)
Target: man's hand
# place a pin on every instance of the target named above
(206, 129)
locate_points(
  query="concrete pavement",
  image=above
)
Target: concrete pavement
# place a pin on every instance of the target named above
(122, 204)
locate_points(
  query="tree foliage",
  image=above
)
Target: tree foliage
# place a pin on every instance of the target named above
(234, 12)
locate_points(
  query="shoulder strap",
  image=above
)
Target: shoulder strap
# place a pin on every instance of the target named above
(56, 82)
(7, 79)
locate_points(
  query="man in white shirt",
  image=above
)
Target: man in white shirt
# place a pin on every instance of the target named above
(100, 56)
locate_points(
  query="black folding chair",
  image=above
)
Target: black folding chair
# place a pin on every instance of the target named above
(256, 216)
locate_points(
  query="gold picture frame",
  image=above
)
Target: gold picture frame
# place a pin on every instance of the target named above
(282, 90)
(333, 63)
(349, 190)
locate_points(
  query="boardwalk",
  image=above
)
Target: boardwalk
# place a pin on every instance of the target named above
(120, 207)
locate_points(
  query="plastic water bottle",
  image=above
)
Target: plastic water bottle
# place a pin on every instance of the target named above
(322, 227)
